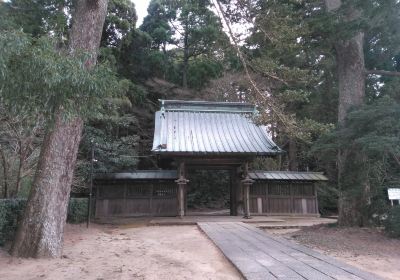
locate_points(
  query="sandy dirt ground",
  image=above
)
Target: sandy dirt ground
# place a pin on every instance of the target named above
(367, 249)
(109, 252)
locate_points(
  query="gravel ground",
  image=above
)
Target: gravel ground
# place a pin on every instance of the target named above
(125, 252)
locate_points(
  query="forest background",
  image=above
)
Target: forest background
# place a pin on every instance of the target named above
(324, 75)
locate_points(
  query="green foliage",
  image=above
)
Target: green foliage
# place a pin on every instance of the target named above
(134, 55)
(11, 211)
(25, 187)
(38, 17)
(327, 199)
(45, 17)
(36, 78)
(201, 71)
(120, 20)
(20, 139)
(371, 138)
(77, 210)
(156, 24)
(113, 152)
(208, 188)
(292, 63)
(198, 26)
(186, 39)
(392, 222)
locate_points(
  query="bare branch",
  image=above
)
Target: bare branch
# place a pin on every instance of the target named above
(264, 97)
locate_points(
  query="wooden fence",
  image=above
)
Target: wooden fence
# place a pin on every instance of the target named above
(136, 199)
(283, 198)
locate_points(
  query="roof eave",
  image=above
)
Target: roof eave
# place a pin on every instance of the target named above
(187, 153)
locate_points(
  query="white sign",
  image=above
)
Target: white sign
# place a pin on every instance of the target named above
(394, 194)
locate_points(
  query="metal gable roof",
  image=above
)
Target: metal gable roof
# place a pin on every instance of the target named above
(287, 175)
(198, 127)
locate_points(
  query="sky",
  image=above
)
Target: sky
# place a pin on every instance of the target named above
(141, 10)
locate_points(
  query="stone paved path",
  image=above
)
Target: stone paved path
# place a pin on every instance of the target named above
(258, 255)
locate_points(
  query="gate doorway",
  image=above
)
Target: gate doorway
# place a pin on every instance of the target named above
(208, 192)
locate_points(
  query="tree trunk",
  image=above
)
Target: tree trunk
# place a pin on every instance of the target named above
(351, 78)
(22, 158)
(350, 69)
(165, 59)
(185, 58)
(40, 233)
(5, 173)
(350, 60)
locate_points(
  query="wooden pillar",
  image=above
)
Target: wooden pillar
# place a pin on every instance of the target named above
(181, 189)
(315, 186)
(232, 193)
(246, 183)
(238, 188)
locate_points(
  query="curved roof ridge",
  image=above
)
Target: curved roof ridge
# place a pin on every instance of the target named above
(207, 106)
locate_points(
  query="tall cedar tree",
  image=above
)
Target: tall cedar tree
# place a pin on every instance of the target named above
(351, 79)
(40, 233)
(197, 27)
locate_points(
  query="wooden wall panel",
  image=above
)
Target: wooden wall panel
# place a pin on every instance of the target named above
(311, 206)
(165, 206)
(101, 207)
(116, 207)
(133, 199)
(283, 198)
(279, 205)
(138, 206)
(253, 204)
(298, 206)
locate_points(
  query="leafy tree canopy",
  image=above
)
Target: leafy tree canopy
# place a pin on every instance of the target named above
(39, 79)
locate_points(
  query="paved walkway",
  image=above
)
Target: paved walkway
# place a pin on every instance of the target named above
(258, 255)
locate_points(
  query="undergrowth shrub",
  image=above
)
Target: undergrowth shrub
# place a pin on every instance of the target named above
(209, 189)
(11, 211)
(392, 222)
(77, 210)
(327, 199)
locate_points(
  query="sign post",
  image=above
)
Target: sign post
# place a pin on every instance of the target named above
(394, 194)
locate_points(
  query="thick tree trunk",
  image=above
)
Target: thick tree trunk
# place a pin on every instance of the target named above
(350, 69)
(350, 60)
(40, 233)
(87, 27)
(351, 78)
